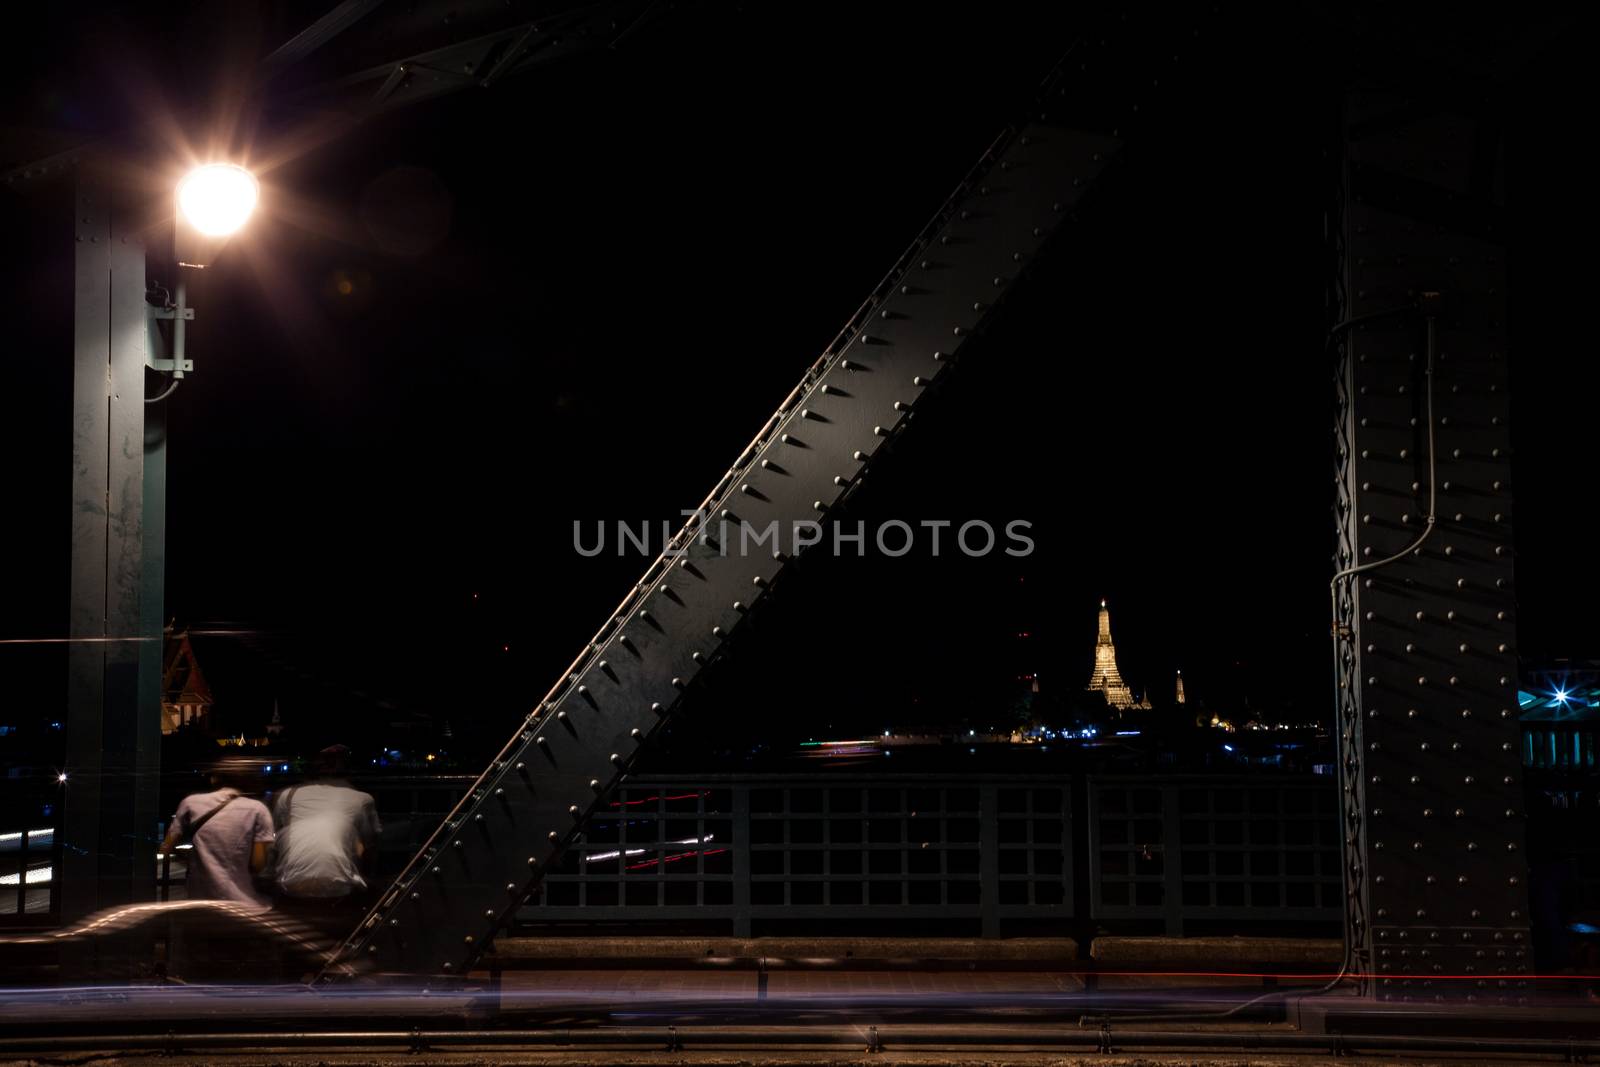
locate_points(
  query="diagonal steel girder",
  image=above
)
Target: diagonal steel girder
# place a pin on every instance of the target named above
(537, 794)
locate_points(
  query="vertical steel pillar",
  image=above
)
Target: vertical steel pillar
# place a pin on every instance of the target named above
(152, 610)
(1426, 665)
(112, 763)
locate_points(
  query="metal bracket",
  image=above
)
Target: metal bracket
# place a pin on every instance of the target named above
(178, 314)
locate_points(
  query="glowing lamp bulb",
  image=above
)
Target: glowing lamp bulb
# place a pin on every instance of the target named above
(217, 199)
(1561, 696)
(62, 777)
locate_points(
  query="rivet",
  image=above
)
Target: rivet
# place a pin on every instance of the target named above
(657, 708)
(616, 757)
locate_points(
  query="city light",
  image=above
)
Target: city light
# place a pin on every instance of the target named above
(218, 198)
(62, 778)
(1561, 696)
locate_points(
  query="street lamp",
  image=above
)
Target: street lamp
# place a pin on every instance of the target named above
(217, 198)
(214, 202)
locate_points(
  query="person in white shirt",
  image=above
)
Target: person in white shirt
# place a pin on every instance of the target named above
(327, 836)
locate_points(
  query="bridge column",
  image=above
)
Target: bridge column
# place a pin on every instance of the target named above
(1426, 661)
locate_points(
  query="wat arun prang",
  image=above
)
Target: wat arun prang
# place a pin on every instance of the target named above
(1106, 678)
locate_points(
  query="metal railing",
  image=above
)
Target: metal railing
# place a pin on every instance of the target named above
(1180, 852)
(966, 855)
(950, 854)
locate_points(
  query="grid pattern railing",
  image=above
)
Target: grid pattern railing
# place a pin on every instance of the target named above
(769, 854)
(1179, 851)
(30, 848)
(752, 855)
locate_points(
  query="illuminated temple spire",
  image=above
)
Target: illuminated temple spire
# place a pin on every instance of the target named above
(1180, 688)
(1106, 677)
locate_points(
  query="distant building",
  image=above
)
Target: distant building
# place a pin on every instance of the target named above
(1560, 713)
(1106, 678)
(1181, 699)
(186, 699)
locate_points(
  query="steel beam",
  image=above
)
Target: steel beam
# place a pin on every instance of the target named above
(112, 764)
(538, 792)
(1425, 626)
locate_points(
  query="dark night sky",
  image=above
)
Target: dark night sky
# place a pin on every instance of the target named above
(576, 296)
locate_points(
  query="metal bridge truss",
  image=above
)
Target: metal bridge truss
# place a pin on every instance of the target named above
(533, 800)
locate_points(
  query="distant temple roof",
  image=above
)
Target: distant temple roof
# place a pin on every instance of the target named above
(181, 680)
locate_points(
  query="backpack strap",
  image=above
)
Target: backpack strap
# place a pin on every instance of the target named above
(195, 828)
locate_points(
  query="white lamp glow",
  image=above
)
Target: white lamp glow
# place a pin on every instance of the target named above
(217, 199)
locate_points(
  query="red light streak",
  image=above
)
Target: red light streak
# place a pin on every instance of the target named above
(674, 858)
(654, 799)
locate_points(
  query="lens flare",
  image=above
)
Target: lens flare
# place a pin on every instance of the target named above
(217, 199)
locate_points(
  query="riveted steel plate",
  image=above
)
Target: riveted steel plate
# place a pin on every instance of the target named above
(1433, 788)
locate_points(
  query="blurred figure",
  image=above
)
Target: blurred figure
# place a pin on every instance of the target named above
(231, 835)
(327, 840)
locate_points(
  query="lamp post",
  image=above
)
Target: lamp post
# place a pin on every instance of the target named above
(113, 723)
